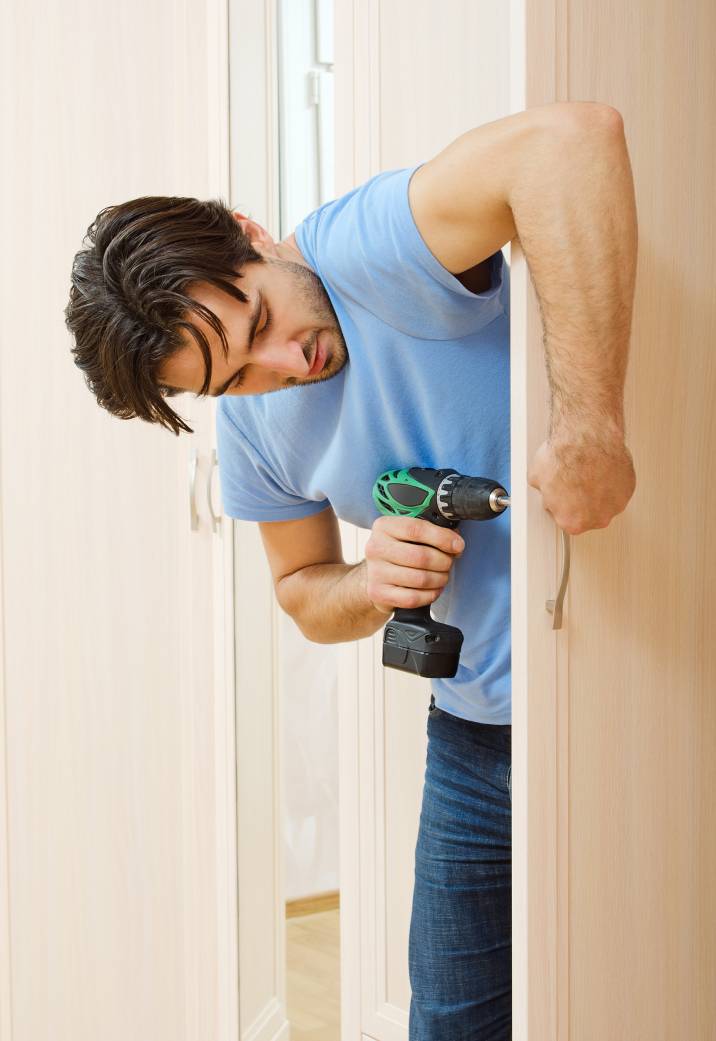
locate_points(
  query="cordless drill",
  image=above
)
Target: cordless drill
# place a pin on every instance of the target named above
(412, 640)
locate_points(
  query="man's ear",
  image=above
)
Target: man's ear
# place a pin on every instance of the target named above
(258, 236)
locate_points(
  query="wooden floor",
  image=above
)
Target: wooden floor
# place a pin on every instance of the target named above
(313, 976)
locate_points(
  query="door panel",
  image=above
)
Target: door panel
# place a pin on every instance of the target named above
(614, 726)
(113, 627)
(636, 708)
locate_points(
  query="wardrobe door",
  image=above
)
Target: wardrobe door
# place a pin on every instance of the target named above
(614, 733)
(115, 890)
(407, 84)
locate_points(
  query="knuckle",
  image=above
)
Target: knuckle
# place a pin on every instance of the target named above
(385, 526)
(371, 548)
(413, 530)
(416, 556)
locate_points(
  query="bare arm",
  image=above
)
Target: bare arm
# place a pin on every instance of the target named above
(407, 564)
(330, 603)
(326, 597)
(575, 214)
(558, 177)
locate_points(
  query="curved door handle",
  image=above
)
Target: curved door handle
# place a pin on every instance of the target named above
(555, 606)
(193, 512)
(215, 517)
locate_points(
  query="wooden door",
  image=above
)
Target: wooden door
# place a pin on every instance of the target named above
(117, 872)
(614, 721)
(614, 726)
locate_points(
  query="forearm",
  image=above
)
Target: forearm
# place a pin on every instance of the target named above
(329, 603)
(575, 213)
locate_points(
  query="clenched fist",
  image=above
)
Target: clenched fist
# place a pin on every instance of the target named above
(585, 478)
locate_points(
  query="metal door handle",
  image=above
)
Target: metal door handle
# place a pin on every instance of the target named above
(555, 606)
(193, 463)
(215, 517)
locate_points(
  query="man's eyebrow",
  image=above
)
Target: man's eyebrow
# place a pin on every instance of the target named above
(253, 324)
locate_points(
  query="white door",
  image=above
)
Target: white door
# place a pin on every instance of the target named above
(117, 871)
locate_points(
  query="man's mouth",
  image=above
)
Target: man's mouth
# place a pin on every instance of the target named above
(319, 358)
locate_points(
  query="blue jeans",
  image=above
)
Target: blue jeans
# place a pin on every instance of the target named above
(460, 945)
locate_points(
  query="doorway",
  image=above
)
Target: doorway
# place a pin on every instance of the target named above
(308, 672)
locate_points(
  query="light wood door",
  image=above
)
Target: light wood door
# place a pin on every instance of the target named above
(614, 725)
(117, 773)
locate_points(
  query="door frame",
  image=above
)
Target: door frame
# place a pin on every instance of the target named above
(540, 654)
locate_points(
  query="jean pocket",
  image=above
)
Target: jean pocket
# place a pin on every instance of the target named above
(509, 780)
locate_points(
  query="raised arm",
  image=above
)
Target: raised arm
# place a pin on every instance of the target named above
(557, 177)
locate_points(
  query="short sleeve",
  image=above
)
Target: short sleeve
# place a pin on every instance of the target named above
(366, 248)
(249, 488)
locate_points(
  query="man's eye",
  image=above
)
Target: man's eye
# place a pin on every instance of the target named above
(240, 377)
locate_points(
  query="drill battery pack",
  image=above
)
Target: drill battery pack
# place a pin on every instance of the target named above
(418, 644)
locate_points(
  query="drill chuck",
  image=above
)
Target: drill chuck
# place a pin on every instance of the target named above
(470, 498)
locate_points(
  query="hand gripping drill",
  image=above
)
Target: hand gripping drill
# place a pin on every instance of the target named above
(413, 640)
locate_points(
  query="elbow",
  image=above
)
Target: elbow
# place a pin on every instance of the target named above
(312, 637)
(596, 115)
(305, 632)
(583, 115)
(294, 618)
(560, 131)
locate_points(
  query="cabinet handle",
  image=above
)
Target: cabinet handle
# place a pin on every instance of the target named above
(193, 513)
(555, 606)
(215, 517)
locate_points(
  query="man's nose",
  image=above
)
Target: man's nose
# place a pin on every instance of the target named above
(285, 357)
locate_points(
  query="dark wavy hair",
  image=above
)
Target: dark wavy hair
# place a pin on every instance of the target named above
(128, 300)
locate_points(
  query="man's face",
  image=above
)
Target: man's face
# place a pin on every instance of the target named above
(293, 322)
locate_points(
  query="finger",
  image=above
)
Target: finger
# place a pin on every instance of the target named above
(415, 555)
(407, 599)
(415, 529)
(410, 578)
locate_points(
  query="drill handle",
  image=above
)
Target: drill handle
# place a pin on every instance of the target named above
(414, 615)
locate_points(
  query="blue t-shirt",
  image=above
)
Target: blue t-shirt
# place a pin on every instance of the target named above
(427, 383)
